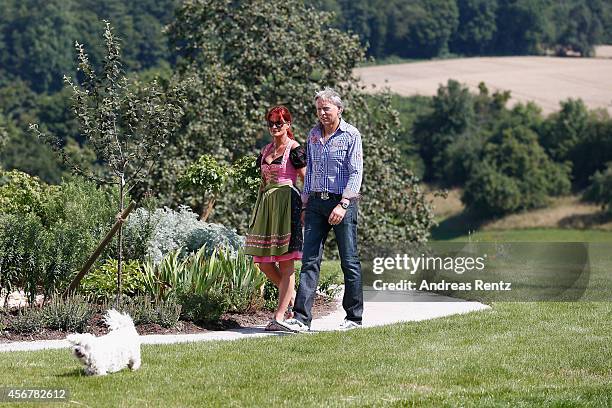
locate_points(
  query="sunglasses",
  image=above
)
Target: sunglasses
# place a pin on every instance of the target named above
(273, 125)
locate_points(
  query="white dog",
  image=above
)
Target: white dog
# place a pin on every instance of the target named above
(110, 353)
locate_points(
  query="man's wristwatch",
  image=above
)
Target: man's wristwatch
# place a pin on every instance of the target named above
(344, 205)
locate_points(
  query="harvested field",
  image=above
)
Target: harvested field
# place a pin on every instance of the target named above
(543, 80)
(603, 51)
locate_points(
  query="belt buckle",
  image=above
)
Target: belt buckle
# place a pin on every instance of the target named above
(324, 195)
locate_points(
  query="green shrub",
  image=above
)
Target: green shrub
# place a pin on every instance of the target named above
(201, 307)
(515, 174)
(246, 177)
(78, 215)
(101, 283)
(329, 287)
(139, 229)
(215, 283)
(45, 249)
(24, 244)
(600, 190)
(145, 310)
(71, 314)
(172, 230)
(21, 193)
(579, 136)
(27, 321)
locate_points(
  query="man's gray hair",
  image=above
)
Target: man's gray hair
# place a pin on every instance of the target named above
(328, 94)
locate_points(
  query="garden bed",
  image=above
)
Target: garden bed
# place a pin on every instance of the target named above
(322, 307)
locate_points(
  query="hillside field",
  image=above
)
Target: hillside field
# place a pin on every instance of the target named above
(543, 80)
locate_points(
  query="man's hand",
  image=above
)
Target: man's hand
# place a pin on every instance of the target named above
(337, 215)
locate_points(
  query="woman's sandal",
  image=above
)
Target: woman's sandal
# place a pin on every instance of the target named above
(276, 325)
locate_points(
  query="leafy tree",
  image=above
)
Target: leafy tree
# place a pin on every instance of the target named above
(521, 27)
(582, 30)
(421, 28)
(126, 125)
(452, 116)
(580, 137)
(23, 151)
(248, 56)
(366, 18)
(477, 26)
(600, 190)
(36, 36)
(594, 149)
(206, 176)
(515, 174)
(563, 130)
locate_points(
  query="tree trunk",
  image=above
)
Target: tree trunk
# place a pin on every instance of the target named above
(208, 210)
(120, 239)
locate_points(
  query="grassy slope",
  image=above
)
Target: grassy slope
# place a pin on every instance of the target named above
(538, 234)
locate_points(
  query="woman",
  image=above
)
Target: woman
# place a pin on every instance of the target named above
(275, 231)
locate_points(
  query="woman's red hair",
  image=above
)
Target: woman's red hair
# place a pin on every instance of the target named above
(279, 113)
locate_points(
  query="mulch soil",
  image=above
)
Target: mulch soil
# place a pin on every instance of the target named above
(322, 307)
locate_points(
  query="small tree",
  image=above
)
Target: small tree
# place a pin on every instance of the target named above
(126, 123)
(206, 176)
(209, 177)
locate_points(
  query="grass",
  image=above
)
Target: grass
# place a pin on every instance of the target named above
(517, 354)
(537, 234)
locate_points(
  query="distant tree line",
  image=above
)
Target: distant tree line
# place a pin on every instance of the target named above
(37, 37)
(433, 28)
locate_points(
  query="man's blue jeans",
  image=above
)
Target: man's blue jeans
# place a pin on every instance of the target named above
(315, 233)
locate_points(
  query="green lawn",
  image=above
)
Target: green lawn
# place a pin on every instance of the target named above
(521, 354)
(516, 354)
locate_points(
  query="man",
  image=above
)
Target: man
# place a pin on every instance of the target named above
(331, 188)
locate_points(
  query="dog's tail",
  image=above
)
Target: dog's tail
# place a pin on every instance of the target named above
(115, 320)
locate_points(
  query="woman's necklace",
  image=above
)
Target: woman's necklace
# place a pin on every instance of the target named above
(271, 157)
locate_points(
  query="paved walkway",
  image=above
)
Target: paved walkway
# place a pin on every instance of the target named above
(423, 306)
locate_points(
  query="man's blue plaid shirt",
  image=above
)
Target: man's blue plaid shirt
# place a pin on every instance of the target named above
(336, 166)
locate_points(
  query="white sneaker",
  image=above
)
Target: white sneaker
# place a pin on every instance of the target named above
(348, 325)
(296, 326)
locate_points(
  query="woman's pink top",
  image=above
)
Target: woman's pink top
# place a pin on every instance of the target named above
(283, 173)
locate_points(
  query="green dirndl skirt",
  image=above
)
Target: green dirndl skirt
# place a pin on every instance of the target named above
(270, 226)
